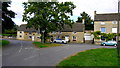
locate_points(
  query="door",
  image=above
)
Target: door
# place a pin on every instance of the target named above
(33, 38)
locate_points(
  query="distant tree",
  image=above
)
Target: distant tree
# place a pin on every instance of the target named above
(89, 23)
(47, 16)
(7, 16)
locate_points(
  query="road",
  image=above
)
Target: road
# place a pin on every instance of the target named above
(23, 53)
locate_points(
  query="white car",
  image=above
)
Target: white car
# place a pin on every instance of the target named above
(60, 41)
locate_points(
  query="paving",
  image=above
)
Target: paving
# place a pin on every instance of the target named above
(24, 53)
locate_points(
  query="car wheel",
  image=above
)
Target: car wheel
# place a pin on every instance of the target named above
(54, 41)
(104, 44)
(62, 42)
(115, 45)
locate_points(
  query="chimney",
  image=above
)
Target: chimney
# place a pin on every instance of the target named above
(95, 12)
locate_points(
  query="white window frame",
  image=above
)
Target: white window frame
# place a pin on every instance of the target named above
(74, 39)
(113, 30)
(102, 23)
(114, 22)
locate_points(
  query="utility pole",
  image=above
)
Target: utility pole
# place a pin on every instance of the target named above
(118, 46)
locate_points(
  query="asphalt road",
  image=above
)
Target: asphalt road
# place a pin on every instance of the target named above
(23, 53)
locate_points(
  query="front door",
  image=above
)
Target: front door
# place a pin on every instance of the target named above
(67, 38)
(33, 38)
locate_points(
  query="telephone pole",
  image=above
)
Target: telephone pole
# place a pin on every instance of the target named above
(118, 46)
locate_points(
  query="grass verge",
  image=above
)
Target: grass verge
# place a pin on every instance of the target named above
(93, 57)
(3, 43)
(44, 45)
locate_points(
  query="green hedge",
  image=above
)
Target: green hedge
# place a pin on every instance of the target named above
(4, 42)
(8, 34)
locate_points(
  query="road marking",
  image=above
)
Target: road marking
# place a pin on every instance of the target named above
(29, 48)
(21, 47)
(30, 57)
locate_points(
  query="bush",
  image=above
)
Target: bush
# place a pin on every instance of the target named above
(4, 42)
(14, 35)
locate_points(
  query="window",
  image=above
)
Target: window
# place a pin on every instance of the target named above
(103, 29)
(102, 38)
(20, 36)
(115, 38)
(57, 37)
(30, 37)
(30, 33)
(74, 38)
(114, 30)
(102, 23)
(38, 37)
(74, 32)
(114, 22)
(54, 32)
(60, 32)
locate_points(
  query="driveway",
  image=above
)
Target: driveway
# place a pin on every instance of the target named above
(23, 53)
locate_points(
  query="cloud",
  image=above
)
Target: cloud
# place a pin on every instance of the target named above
(89, 6)
(17, 7)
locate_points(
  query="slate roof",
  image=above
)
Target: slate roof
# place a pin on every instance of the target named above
(78, 27)
(107, 17)
(23, 28)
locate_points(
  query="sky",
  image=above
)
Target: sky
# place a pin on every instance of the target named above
(89, 6)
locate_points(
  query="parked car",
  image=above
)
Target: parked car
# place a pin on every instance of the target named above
(60, 41)
(112, 43)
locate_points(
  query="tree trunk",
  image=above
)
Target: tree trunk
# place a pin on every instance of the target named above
(45, 35)
(42, 37)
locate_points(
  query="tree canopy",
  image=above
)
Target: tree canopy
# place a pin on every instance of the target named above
(7, 16)
(88, 21)
(47, 16)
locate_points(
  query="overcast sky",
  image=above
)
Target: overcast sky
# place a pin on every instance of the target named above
(89, 6)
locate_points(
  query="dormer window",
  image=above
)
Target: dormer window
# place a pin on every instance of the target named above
(30, 33)
(54, 32)
(74, 32)
(60, 32)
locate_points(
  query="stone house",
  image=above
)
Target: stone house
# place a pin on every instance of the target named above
(106, 23)
(30, 34)
(74, 34)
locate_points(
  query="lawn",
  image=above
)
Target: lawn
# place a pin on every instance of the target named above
(3, 43)
(44, 45)
(93, 57)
